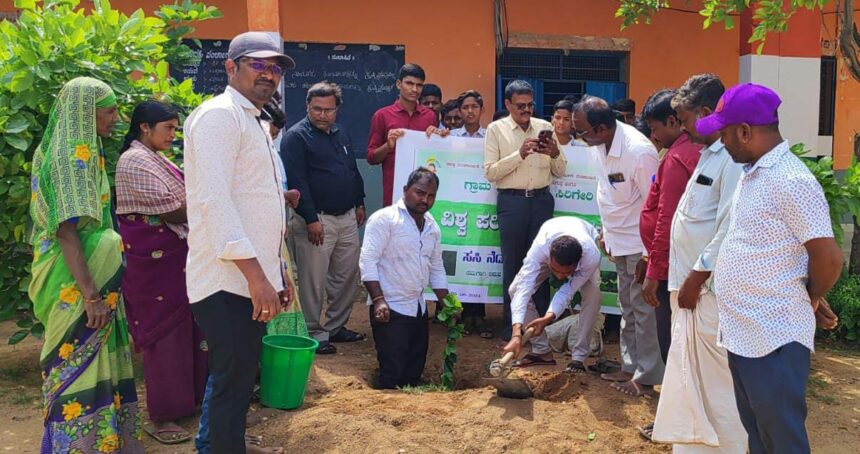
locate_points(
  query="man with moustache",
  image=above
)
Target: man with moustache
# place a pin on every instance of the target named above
(237, 223)
(401, 255)
(521, 166)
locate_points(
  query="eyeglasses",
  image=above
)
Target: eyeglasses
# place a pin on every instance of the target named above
(521, 106)
(262, 66)
(322, 111)
(579, 134)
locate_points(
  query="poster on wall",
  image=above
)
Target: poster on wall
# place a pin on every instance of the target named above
(465, 210)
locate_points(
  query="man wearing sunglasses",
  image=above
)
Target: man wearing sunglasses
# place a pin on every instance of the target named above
(237, 218)
(521, 166)
(628, 162)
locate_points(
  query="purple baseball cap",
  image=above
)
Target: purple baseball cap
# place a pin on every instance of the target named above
(755, 105)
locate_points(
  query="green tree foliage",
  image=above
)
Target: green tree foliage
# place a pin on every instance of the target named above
(49, 44)
(769, 16)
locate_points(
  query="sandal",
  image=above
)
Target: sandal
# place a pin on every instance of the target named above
(347, 335)
(533, 360)
(326, 349)
(631, 388)
(646, 431)
(576, 367)
(167, 436)
(482, 329)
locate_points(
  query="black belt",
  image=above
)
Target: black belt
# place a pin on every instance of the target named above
(334, 212)
(526, 192)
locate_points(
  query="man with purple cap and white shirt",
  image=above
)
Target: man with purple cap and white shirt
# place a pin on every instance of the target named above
(237, 221)
(778, 260)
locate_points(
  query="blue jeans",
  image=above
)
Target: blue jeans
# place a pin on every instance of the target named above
(201, 441)
(771, 396)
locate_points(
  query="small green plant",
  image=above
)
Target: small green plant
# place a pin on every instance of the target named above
(451, 309)
(844, 299)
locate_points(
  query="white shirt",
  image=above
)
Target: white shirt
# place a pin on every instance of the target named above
(703, 214)
(401, 258)
(762, 270)
(461, 132)
(633, 159)
(535, 269)
(235, 203)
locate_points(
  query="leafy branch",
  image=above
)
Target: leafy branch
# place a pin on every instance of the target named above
(768, 16)
(449, 316)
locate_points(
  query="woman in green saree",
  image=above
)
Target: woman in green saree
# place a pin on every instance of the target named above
(90, 403)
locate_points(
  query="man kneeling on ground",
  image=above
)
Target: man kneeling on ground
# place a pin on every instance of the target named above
(564, 249)
(401, 254)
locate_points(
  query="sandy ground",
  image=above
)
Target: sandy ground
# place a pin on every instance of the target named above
(342, 414)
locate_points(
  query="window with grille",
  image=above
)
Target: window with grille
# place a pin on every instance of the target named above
(560, 74)
(827, 102)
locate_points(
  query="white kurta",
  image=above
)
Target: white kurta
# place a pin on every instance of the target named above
(697, 410)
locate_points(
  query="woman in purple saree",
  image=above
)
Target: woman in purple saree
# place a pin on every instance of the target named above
(153, 225)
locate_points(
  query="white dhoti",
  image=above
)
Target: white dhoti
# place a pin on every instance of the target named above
(697, 410)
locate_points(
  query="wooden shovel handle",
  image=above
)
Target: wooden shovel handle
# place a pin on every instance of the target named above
(510, 355)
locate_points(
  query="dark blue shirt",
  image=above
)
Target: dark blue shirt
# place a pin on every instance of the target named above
(322, 167)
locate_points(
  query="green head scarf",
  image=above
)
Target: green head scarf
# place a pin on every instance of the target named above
(68, 178)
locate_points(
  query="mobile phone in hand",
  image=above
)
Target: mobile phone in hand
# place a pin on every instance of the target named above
(545, 136)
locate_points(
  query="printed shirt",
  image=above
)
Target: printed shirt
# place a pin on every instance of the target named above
(386, 119)
(763, 267)
(655, 221)
(401, 258)
(703, 214)
(461, 132)
(535, 269)
(503, 164)
(631, 163)
(148, 183)
(236, 204)
(321, 165)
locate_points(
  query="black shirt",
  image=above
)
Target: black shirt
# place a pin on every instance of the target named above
(322, 167)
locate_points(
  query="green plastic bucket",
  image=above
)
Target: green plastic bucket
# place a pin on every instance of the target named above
(286, 364)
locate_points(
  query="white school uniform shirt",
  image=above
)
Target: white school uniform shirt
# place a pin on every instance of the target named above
(401, 258)
(535, 269)
(632, 157)
(461, 132)
(235, 203)
(702, 218)
(762, 270)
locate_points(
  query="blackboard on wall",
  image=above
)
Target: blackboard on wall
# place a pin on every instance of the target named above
(365, 72)
(209, 75)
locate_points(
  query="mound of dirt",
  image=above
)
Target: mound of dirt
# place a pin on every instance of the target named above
(571, 413)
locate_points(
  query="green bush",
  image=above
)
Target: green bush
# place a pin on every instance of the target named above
(844, 299)
(49, 44)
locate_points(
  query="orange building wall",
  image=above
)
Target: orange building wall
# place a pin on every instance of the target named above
(847, 115)
(663, 54)
(453, 40)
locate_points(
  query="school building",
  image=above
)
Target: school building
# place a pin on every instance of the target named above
(572, 46)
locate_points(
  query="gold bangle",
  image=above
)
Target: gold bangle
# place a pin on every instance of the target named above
(380, 297)
(92, 301)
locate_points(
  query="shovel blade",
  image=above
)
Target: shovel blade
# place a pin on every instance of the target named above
(512, 388)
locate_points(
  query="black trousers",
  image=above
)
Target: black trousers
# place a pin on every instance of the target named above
(401, 348)
(474, 310)
(520, 219)
(663, 313)
(235, 341)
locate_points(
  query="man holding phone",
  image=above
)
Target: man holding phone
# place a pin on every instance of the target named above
(520, 158)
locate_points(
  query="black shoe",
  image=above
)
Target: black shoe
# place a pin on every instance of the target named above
(326, 348)
(346, 335)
